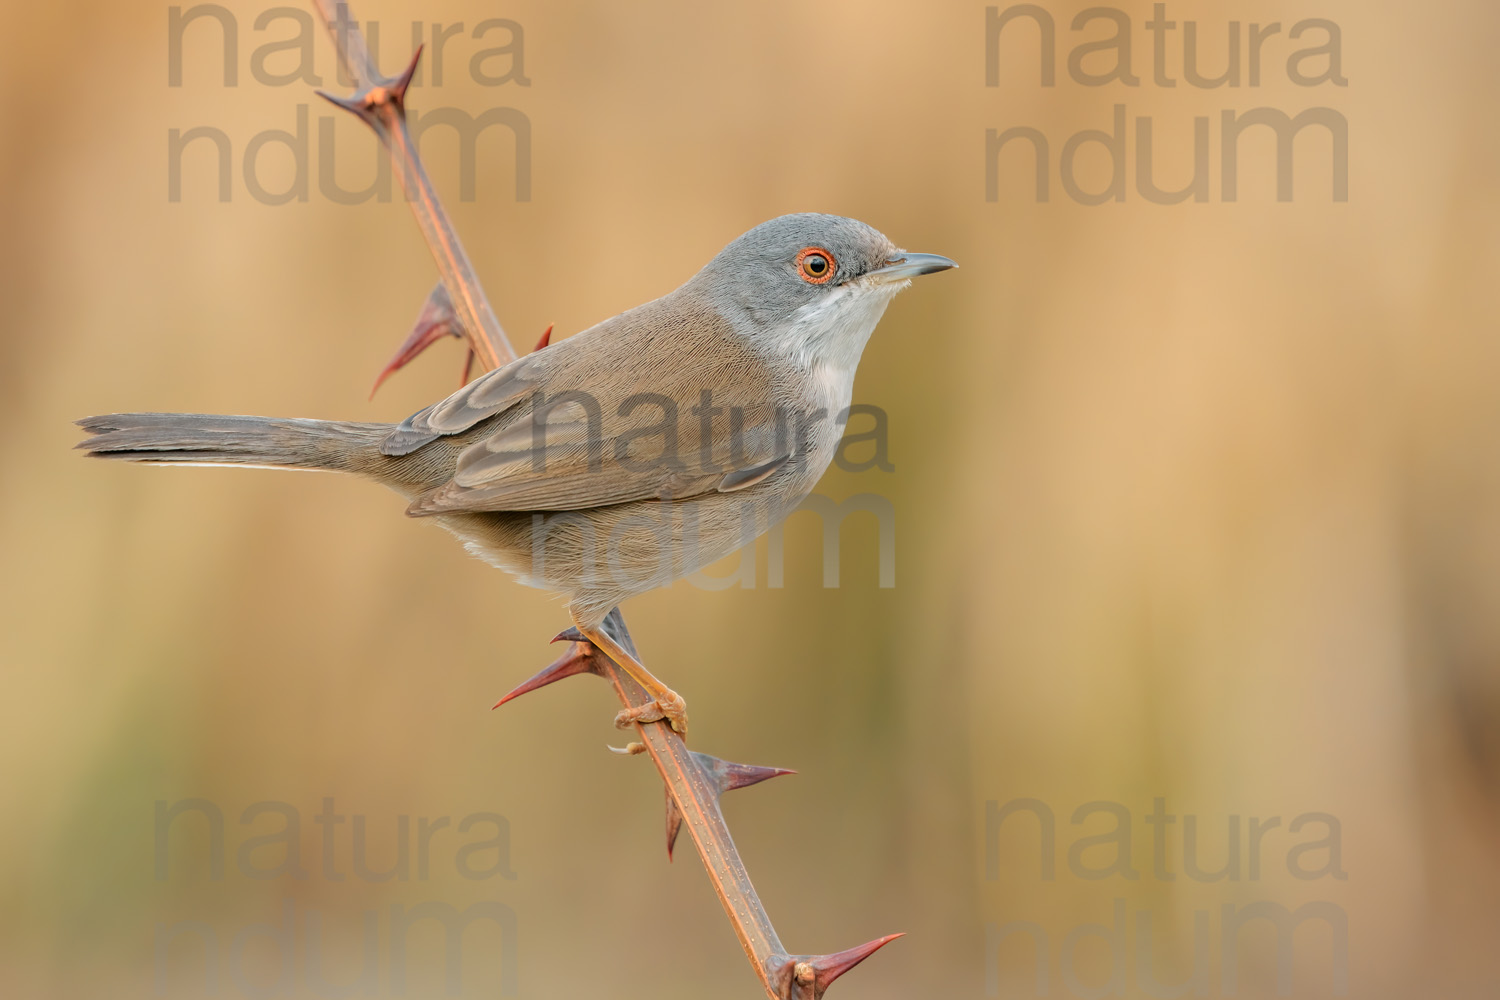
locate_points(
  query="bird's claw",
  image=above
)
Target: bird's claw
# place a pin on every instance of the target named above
(669, 707)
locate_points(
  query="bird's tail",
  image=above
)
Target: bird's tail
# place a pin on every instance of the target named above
(207, 439)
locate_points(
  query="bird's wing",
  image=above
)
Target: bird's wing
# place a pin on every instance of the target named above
(487, 396)
(616, 417)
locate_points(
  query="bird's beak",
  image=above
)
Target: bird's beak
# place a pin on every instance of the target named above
(909, 265)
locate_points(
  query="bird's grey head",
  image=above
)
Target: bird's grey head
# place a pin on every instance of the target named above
(810, 285)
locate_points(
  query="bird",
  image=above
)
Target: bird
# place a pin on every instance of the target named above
(624, 457)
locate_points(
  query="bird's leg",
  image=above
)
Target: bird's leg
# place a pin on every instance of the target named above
(668, 704)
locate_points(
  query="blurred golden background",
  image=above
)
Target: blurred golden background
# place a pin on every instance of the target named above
(1198, 503)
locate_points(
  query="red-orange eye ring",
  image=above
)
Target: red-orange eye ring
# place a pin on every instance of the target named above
(815, 265)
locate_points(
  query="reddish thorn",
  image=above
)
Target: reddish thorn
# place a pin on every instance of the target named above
(354, 104)
(390, 91)
(811, 975)
(745, 775)
(578, 660)
(830, 967)
(727, 776)
(569, 634)
(436, 321)
(463, 378)
(674, 824)
(724, 776)
(546, 339)
(398, 86)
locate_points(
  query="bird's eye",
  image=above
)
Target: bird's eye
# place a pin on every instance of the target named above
(815, 265)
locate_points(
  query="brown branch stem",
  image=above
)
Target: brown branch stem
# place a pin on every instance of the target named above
(380, 102)
(698, 803)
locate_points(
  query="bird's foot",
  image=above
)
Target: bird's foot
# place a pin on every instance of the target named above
(668, 705)
(665, 704)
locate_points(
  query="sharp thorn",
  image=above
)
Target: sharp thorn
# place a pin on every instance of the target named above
(827, 968)
(546, 339)
(463, 378)
(354, 104)
(569, 634)
(578, 660)
(674, 824)
(362, 106)
(727, 776)
(398, 86)
(809, 976)
(724, 776)
(436, 321)
(628, 750)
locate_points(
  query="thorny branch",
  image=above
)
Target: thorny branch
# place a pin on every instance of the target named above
(694, 782)
(380, 101)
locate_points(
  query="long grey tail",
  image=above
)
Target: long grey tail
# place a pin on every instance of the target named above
(208, 439)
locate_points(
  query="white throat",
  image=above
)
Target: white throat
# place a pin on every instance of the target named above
(826, 338)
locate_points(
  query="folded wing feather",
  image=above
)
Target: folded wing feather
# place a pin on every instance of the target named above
(607, 422)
